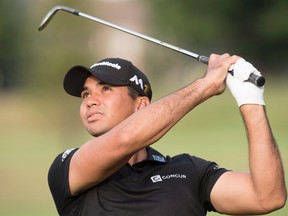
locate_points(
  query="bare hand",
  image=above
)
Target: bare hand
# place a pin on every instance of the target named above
(217, 71)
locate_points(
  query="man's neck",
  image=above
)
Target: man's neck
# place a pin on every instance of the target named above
(138, 157)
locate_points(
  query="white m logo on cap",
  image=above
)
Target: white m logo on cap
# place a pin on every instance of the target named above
(137, 81)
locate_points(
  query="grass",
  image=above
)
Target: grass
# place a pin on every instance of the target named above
(34, 129)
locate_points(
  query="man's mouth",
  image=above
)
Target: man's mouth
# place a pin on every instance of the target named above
(94, 116)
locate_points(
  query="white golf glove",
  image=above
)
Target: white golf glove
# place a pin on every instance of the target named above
(244, 92)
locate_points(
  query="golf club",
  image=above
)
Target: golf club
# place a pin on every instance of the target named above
(255, 79)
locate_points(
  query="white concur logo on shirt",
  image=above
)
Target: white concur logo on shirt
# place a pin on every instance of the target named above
(158, 178)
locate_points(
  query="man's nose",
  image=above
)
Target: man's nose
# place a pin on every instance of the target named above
(93, 100)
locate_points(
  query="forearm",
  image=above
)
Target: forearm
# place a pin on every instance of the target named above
(149, 124)
(264, 158)
(152, 122)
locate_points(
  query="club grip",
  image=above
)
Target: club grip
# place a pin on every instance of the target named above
(257, 80)
(253, 78)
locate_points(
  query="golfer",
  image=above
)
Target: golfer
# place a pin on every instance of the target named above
(117, 172)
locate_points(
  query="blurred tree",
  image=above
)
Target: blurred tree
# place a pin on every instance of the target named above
(25, 51)
(253, 29)
(11, 37)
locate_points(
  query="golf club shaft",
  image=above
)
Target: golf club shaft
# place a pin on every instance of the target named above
(257, 80)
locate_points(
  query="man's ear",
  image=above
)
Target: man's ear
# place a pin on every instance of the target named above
(142, 102)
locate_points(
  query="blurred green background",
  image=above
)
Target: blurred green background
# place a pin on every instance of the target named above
(38, 120)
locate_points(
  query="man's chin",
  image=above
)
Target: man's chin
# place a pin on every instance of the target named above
(96, 133)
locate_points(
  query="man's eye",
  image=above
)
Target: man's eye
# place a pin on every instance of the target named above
(85, 95)
(106, 88)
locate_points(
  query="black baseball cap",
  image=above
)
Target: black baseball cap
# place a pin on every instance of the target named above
(113, 71)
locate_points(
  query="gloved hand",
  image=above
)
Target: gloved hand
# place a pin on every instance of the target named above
(244, 92)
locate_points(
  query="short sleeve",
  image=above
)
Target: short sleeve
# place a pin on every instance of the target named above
(58, 178)
(208, 172)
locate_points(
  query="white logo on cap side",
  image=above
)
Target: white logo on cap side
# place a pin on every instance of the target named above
(106, 63)
(137, 81)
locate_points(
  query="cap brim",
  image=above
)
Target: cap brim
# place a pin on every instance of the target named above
(75, 78)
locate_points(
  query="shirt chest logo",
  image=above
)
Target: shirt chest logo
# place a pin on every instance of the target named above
(159, 178)
(156, 178)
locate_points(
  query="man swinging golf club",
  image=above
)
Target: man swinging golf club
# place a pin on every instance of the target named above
(117, 172)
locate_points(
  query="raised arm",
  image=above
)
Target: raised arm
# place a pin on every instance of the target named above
(263, 189)
(98, 158)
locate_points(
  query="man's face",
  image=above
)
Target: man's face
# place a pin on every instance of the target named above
(104, 106)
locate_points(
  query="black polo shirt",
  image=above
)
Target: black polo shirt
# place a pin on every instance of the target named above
(159, 185)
